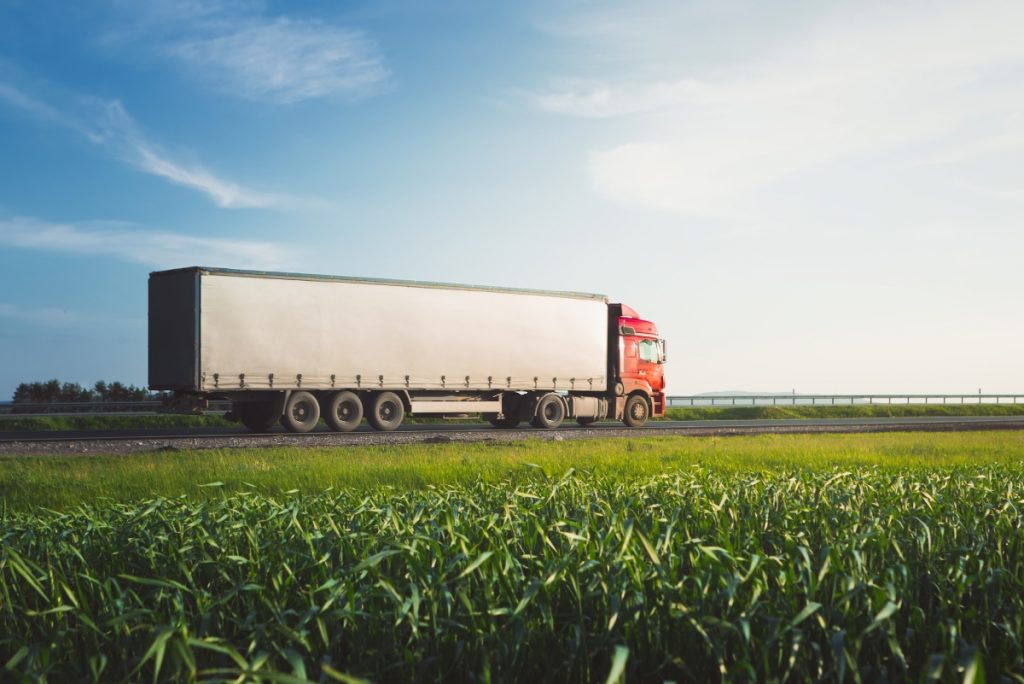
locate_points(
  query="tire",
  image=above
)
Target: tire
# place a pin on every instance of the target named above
(343, 411)
(550, 412)
(258, 416)
(386, 412)
(637, 411)
(301, 412)
(586, 422)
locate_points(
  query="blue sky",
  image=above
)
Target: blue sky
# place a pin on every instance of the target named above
(820, 196)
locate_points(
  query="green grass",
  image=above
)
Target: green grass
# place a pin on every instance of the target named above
(98, 421)
(101, 422)
(61, 482)
(782, 557)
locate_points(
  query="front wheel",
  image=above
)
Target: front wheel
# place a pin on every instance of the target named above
(637, 411)
(386, 412)
(301, 412)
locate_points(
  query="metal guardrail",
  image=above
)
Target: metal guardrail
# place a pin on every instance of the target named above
(699, 400)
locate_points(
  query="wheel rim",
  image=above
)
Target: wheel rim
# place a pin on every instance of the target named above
(345, 411)
(551, 411)
(300, 411)
(387, 411)
(639, 410)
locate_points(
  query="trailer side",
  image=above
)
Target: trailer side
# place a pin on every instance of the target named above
(287, 333)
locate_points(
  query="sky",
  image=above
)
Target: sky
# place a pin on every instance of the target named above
(823, 197)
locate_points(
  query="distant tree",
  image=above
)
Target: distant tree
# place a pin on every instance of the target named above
(52, 391)
(117, 391)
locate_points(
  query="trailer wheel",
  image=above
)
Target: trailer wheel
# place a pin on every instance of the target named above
(343, 411)
(550, 412)
(258, 416)
(386, 412)
(586, 422)
(301, 412)
(637, 411)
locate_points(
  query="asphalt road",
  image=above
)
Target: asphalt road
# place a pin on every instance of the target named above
(128, 441)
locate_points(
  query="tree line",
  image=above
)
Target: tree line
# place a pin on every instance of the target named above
(51, 391)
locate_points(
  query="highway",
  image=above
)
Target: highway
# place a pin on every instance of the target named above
(136, 440)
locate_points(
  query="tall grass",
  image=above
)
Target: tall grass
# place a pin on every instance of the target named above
(817, 573)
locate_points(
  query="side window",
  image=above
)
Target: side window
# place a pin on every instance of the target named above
(649, 351)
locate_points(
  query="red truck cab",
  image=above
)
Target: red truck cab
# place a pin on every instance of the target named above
(640, 362)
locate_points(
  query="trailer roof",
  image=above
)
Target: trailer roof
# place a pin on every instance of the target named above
(380, 281)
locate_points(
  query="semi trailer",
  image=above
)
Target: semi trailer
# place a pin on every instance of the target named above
(292, 348)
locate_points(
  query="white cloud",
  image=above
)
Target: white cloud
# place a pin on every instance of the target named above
(237, 49)
(108, 125)
(53, 317)
(929, 82)
(601, 100)
(285, 60)
(117, 129)
(135, 244)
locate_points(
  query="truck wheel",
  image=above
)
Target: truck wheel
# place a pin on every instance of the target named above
(586, 422)
(386, 412)
(258, 416)
(343, 411)
(550, 412)
(637, 411)
(301, 412)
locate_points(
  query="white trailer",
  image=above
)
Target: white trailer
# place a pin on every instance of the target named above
(293, 346)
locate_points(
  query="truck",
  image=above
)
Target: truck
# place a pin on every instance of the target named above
(292, 348)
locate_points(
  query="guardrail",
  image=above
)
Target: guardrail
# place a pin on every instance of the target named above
(839, 399)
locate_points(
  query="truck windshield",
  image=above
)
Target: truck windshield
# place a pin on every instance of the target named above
(649, 351)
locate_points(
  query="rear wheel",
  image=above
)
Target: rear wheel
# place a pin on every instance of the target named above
(301, 412)
(386, 412)
(343, 411)
(637, 411)
(550, 412)
(258, 416)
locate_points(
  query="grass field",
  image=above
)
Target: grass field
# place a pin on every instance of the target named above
(788, 557)
(101, 422)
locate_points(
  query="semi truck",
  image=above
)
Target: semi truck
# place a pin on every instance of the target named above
(292, 348)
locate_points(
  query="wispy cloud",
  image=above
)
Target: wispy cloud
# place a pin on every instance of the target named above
(136, 244)
(108, 125)
(236, 48)
(60, 318)
(602, 100)
(926, 81)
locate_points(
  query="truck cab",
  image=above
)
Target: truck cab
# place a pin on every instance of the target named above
(640, 366)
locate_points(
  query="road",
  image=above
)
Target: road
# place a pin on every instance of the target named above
(128, 441)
